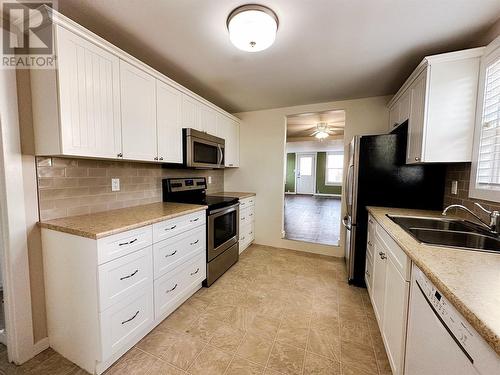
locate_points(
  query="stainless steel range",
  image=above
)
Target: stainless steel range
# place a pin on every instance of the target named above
(222, 221)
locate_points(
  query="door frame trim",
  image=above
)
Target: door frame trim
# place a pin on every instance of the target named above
(297, 156)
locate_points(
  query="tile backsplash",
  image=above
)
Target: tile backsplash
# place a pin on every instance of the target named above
(68, 187)
(461, 173)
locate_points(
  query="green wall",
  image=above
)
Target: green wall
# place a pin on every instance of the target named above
(320, 177)
(290, 173)
(321, 188)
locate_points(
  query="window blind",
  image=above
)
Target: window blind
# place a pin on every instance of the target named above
(488, 166)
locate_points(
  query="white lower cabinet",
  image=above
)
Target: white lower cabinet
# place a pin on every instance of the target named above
(105, 295)
(247, 222)
(388, 283)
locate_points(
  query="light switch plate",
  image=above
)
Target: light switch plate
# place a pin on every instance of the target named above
(454, 187)
(115, 184)
(209, 179)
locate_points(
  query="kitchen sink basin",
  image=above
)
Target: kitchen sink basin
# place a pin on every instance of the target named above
(456, 239)
(448, 232)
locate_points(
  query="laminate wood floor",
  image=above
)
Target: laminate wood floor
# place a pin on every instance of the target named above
(312, 219)
(275, 312)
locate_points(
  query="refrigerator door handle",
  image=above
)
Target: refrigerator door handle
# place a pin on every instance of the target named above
(348, 199)
(345, 222)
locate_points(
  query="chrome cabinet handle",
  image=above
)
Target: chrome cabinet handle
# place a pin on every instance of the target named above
(119, 155)
(127, 243)
(195, 272)
(161, 157)
(194, 243)
(367, 273)
(193, 220)
(129, 276)
(156, 158)
(250, 215)
(382, 255)
(169, 255)
(370, 221)
(369, 243)
(251, 232)
(417, 158)
(171, 290)
(243, 238)
(175, 226)
(132, 318)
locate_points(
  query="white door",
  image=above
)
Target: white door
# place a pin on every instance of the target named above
(191, 113)
(168, 117)
(208, 120)
(89, 94)
(306, 173)
(138, 108)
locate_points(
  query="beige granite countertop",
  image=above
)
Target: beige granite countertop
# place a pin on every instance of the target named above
(470, 280)
(102, 224)
(235, 194)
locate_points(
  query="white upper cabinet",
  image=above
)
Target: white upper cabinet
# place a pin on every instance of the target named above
(168, 117)
(101, 102)
(440, 98)
(229, 130)
(191, 113)
(76, 109)
(208, 121)
(138, 108)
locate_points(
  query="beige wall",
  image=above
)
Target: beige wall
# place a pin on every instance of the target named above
(262, 150)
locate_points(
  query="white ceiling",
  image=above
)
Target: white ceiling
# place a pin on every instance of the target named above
(325, 49)
(303, 125)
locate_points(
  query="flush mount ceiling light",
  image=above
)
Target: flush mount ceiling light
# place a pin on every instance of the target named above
(252, 27)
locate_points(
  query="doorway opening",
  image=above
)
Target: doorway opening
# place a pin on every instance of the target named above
(314, 163)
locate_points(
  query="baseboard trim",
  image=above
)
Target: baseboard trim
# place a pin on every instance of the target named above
(40, 346)
(290, 193)
(328, 195)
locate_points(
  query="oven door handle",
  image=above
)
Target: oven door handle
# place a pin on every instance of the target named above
(223, 210)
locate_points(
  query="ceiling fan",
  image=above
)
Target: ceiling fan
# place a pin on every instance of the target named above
(324, 130)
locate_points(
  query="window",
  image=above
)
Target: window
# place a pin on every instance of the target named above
(485, 176)
(334, 168)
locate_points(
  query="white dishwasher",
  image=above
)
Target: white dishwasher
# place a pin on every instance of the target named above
(440, 341)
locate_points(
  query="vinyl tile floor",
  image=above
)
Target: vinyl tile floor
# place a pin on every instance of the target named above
(275, 312)
(312, 219)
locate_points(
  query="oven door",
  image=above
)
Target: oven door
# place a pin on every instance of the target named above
(223, 230)
(203, 153)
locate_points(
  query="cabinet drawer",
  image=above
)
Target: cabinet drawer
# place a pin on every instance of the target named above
(401, 261)
(247, 232)
(121, 244)
(170, 287)
(247, 202)
(124, 276)
(246, 215)
(169, 228)
(126, 320)
(174, 251)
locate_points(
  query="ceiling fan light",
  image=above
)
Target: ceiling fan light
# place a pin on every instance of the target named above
(321, 135)
(252, 28)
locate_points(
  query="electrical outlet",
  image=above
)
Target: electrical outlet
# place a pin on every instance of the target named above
(115, 184)
(454, 187)
(209, 179)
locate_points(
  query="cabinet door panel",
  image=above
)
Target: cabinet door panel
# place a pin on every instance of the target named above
(208, 120)
(417, 119)
(138, 107)
(394, 116)
(191, 113)
(168, 112)
(379, 269)
(404, 107)
(395, 315)
(89, 95)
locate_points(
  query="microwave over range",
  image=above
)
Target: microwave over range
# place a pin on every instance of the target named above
(202, 150)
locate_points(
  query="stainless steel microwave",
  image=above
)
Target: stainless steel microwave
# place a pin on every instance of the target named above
(202, 150)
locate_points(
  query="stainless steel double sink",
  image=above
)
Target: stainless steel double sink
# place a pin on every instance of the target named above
(448, 232)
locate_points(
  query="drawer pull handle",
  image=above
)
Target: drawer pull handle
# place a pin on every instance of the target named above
(382, 255)
(250, 215)
(369, 243)
(370, 221)
(132, 318)
(129, 276)
(171, 290)
(173, 227)
(367, 273)
(195, 242)
(169, 255)
(195, 272)
(127, 243)
(193, 220)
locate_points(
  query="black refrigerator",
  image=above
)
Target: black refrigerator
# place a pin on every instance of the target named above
(378, 176)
